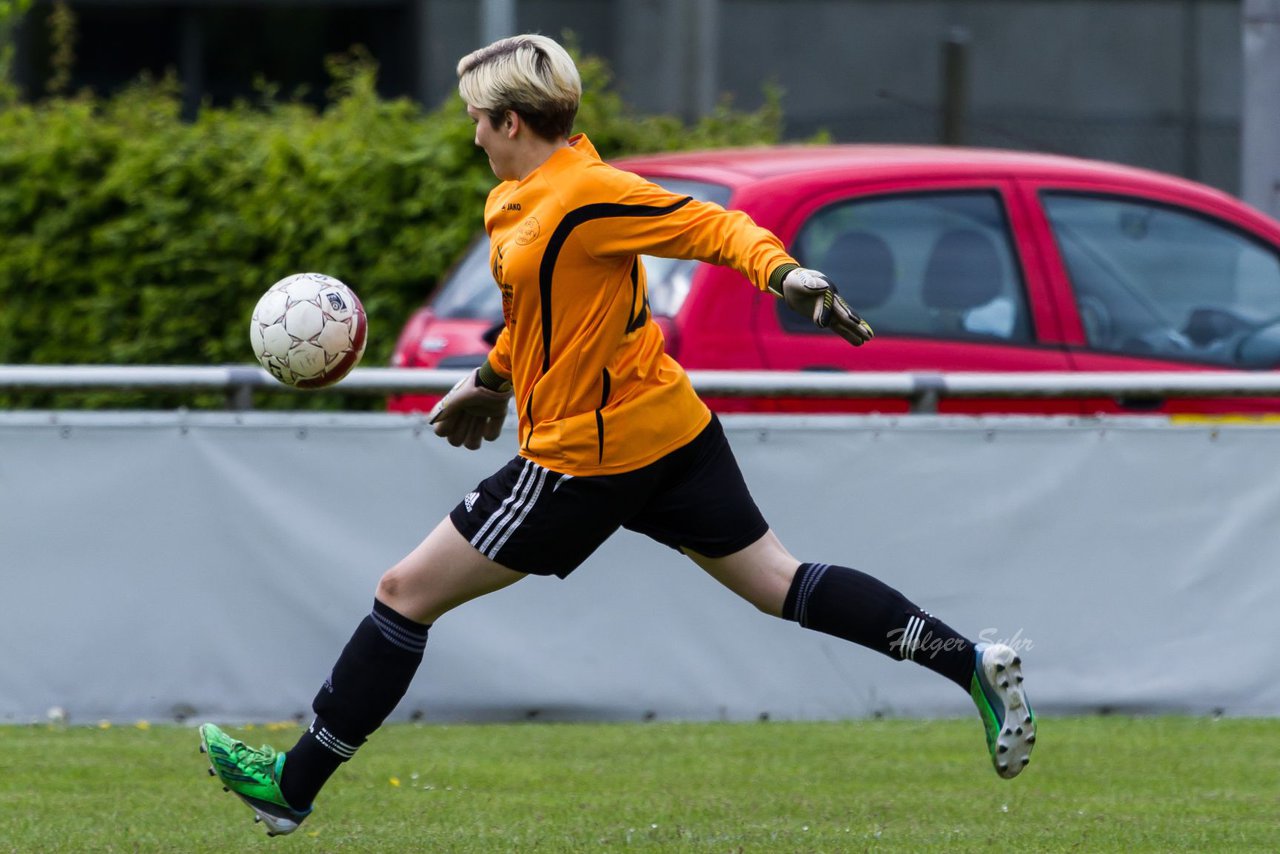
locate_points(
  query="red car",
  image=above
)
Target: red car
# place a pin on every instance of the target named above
(961, 259)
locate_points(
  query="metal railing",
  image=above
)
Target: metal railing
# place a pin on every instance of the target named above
(922, 389)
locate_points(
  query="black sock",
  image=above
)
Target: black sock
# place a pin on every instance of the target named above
(371, 675)
(854, 606)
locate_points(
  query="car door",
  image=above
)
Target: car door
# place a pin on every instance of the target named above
(937, 268)
(1162, 283)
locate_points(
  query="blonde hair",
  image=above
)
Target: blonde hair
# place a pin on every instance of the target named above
(530, 75)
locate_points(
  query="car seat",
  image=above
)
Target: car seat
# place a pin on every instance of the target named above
(963, 273)
(861, 266)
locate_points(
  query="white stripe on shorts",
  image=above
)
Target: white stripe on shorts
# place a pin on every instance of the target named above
(502, 508)
(533, 499)
(515, 507)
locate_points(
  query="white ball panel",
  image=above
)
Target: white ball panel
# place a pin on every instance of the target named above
(271, 307)
(304, 320)
(287, 281)
(276, 341)
(255, 339)
(304, 289)
(335, 338)
(307, 360)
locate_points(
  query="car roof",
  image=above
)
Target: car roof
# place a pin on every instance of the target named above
(741, 166)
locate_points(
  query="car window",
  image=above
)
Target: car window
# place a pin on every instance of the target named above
(1153, 280)
(469, 292)
(930, 264)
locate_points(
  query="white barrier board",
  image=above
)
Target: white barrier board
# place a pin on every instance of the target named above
(212, 565)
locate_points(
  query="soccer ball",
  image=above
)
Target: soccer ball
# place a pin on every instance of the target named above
(308, 330)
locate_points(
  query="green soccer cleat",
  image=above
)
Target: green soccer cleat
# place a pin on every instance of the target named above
(996, 688)
(252, 774)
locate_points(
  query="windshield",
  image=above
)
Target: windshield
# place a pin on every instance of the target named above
(469, 291)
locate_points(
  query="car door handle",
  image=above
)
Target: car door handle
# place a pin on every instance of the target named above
(827, 369)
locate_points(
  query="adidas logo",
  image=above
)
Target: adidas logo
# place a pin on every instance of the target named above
(470, 500)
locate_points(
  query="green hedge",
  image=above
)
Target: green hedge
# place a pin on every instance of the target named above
(128, 236)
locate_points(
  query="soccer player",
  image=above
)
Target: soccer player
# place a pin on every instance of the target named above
(611, 434)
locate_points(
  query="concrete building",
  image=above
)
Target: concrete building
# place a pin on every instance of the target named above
(1156, 83)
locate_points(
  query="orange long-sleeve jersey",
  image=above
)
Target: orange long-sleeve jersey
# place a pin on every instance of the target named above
(595, 392)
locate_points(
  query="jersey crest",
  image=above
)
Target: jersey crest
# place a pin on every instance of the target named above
(528, 231)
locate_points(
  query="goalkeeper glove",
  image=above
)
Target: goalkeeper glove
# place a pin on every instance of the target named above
(811, 293)
(471, 411)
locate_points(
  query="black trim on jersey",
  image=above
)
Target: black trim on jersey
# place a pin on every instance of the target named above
(570, 221)
(604, 401)
(637, 319)
(528, 413)
(496, 269)
(547, 269)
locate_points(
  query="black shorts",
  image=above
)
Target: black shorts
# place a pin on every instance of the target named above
(531, 519)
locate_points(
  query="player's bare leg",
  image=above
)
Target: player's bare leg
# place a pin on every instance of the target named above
(761, 573)
(370, 677)
(443, 572)
(856, 607)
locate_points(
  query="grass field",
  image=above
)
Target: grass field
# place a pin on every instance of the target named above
(1096, 784)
